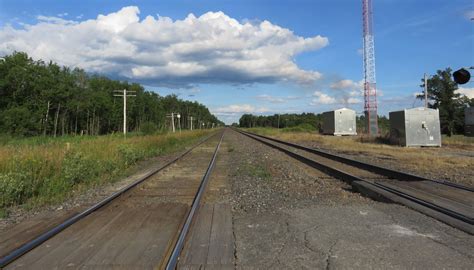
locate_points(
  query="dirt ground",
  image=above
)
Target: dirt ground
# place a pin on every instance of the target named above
(289, 216)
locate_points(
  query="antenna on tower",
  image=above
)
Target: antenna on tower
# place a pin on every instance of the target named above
(370, 90)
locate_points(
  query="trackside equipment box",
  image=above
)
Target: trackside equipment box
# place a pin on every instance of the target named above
(415, 127)
(339, 122)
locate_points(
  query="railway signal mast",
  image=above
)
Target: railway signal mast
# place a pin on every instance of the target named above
(370, 90)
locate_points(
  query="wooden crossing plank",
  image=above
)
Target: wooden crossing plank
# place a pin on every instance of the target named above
(68, 243)
(221, 247)
(210, 244)
(431, 197)
(29, 229)
(133, 238)
(198, 246)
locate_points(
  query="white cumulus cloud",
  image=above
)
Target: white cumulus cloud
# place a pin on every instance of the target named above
(232, 113)
(345, 100)
(349, 90)
(238, 109)
(271, 99)
(53, 20)
(275, 99)
(468, 92)
(211, 48)
(469, 14)
(347, 84)
(322, 98)
(353, 100)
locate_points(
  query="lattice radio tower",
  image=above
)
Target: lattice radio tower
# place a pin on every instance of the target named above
(370, 90)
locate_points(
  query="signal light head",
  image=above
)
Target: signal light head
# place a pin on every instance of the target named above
(461, 76)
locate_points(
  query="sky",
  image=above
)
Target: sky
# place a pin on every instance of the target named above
(259, 57)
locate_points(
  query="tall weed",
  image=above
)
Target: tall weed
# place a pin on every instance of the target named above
(37, 171)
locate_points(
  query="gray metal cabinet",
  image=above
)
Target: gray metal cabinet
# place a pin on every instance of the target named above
(339, 122)
(415, 127)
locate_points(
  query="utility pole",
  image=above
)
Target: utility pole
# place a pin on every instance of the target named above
(172, 122)
(426, 91)
(278, 121)
(173, 127)
(191, 120)
(124, 93)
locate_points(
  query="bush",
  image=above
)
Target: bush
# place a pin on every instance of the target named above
(76, 168)
(130, 154)
(14, 189)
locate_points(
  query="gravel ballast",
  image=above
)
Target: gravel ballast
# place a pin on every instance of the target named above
(290, 216)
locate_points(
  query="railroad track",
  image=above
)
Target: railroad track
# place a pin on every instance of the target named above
(448, 202)
(144, 225)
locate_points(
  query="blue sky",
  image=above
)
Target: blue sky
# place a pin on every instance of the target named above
(260, 57)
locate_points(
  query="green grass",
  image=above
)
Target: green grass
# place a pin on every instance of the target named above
(458, 141)
(258, 171)
(300, 128)
(6, 139)
(264, 131)
(272, 131)
(3, 213)
(39, 171)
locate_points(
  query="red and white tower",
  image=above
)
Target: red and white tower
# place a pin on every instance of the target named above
(370, 90)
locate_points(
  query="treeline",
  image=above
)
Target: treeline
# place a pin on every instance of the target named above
(307, 121)
(280, 120)
(38, 98)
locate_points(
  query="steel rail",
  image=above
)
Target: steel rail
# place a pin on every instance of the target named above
(370, 167)
(173, 260)
(448, 216)
(25, 248)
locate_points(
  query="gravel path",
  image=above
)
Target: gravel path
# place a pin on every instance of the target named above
(267, 180)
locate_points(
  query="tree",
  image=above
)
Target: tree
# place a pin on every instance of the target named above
(45, 98)
(451, 105)
(280, 120)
